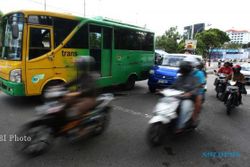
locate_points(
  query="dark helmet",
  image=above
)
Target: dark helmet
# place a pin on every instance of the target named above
(84, 63)
(200, 66)
(237, 68)
(185, 67)
(227, 63)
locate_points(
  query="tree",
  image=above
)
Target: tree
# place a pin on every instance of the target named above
(244, 46)
(1, 15)
(181, 46)
(209, 39)
(168, 41)
(232, 46)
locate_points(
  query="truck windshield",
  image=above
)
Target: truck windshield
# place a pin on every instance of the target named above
(10, 48)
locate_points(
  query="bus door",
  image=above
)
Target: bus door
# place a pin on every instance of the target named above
(39, 65)
(107, 51)
(100, 47)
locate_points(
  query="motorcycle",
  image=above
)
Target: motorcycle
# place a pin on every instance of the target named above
(165, 115)
(55, 120)
(232, 96)
(220, 86)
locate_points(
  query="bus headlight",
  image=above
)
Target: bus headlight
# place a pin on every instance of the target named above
(16, 75)
(152, 72)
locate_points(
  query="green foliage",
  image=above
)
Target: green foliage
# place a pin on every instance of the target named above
(212, 38)
(232, 46)
(1, 15)
(181, 46)
(246, 45)
(168, 41)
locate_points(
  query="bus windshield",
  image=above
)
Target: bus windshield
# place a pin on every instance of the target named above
(11, 47)
(172, 61)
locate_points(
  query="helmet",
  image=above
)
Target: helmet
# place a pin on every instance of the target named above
(200, 66)
(237, 68)
(84, 63)
(227, 63)
(185, 67)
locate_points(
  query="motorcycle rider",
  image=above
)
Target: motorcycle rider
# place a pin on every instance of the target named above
(199, 73)
(85, 97)
(189, 84)
(226, 69)
(240, 79)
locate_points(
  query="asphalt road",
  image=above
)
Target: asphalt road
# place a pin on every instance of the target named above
(124, 144)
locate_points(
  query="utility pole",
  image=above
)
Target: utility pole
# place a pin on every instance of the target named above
(84, 8)
(136, 21)
(44, 5)
(192, 32)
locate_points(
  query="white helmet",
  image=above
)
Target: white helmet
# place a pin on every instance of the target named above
(192, 60)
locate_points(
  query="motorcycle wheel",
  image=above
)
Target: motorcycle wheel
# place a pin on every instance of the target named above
(229, 106)
(221, 96)
(217, 91)
(155, 134)
(102, 124)
(217, 95)
(40, 140)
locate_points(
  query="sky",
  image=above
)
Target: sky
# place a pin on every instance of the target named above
(156, 15)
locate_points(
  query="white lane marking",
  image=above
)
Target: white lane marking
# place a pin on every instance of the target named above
(248, 91)
(126, 110)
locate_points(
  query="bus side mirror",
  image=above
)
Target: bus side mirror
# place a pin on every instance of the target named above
(15, 31)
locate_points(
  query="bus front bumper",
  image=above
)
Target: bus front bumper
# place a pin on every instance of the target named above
(12, 88)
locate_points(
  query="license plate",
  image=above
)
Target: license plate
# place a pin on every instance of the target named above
(162, 81)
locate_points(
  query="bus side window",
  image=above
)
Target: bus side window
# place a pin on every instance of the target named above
(40, 42)
(79, 40)
(62, 28)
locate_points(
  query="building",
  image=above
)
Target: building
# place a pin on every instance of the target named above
(227, 54)
(240, 37)
(192, 30)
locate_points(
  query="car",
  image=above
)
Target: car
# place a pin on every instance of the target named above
(164, 74)
(245, 70)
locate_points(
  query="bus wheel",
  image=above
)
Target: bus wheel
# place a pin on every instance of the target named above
(130, 84)
(51, 83)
